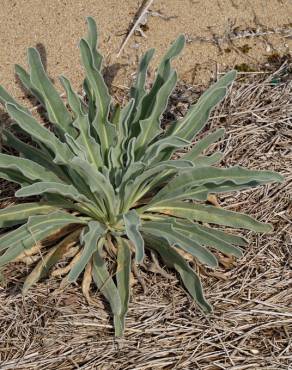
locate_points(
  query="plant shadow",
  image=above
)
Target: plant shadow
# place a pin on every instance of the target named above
(110, 72)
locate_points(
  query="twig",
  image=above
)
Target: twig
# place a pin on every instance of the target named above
(136, 24)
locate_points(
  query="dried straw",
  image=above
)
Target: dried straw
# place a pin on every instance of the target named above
(251, 325)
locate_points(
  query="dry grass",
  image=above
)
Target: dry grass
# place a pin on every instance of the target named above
(251, 327)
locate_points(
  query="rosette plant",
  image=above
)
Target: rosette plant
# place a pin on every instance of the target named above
(104, 179)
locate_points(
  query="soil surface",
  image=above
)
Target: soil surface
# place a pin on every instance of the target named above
(220, 34)
(251, 327)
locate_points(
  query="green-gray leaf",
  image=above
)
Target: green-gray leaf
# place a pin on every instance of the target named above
(197, 177)
(57, 110)
(104, 129)
(132, 224)
(92, 40)
(207, 238)
(89, 239)
(37, 131)
(138, 91)
(174, 260)
(32, 153)
(27, 168)
(210, 214)
(36, 229)
(176, 237)
(6, 98)
(203, 144)
(105, 283)
(74, 101)
(20, 212)
(123, 281)
(199, 113)
(150, 126)
(40, 188)
(26, 82)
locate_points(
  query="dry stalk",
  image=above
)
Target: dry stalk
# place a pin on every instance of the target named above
(251, 326)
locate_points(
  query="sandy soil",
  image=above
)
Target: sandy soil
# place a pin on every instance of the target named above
(220, 34)
(251, 327)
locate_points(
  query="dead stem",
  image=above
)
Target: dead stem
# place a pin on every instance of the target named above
(251, 326)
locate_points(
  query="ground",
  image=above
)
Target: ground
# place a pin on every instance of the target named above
(251, 326)
(220, 34)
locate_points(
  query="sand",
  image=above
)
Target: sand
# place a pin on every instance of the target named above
(217, 34)
(251, 327)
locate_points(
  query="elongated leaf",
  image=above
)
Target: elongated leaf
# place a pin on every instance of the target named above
(104, 129)
(150, 127)
(201, 192)
(80, 184)
(238, 175)
(29, 169)
(97, 182)
(229, 238)
(132, 172)
(10, 238)
(196, 192)
(174, 260)
(136, 187)
(115, 166)
(199, 113)
(76, 147)
(32, 153)
(33, 128)
(197, 116)
(203, 144)
(132, 225)
(175, 49)
(209, 160)
(208, 239)
(26, 82)
(211, 215)
(116, 155)
(91, 147)
(18, 248)
(164, 71)
(123, 282)
(58, 201)
(196, 177)
(131, 151)
(89, 239)
(74, 101)
(20, 212)
(92, 40)
(106, 285)
(153, 150)
(90, 99)
(175, 237)
(138, 91)
(125, 122)
(36, 229)
(6, 98)
(178, 164)
(60, 218)
(40, 188)
(56, 109)
(14, 176)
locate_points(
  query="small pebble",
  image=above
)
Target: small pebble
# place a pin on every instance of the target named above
(254, 351)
